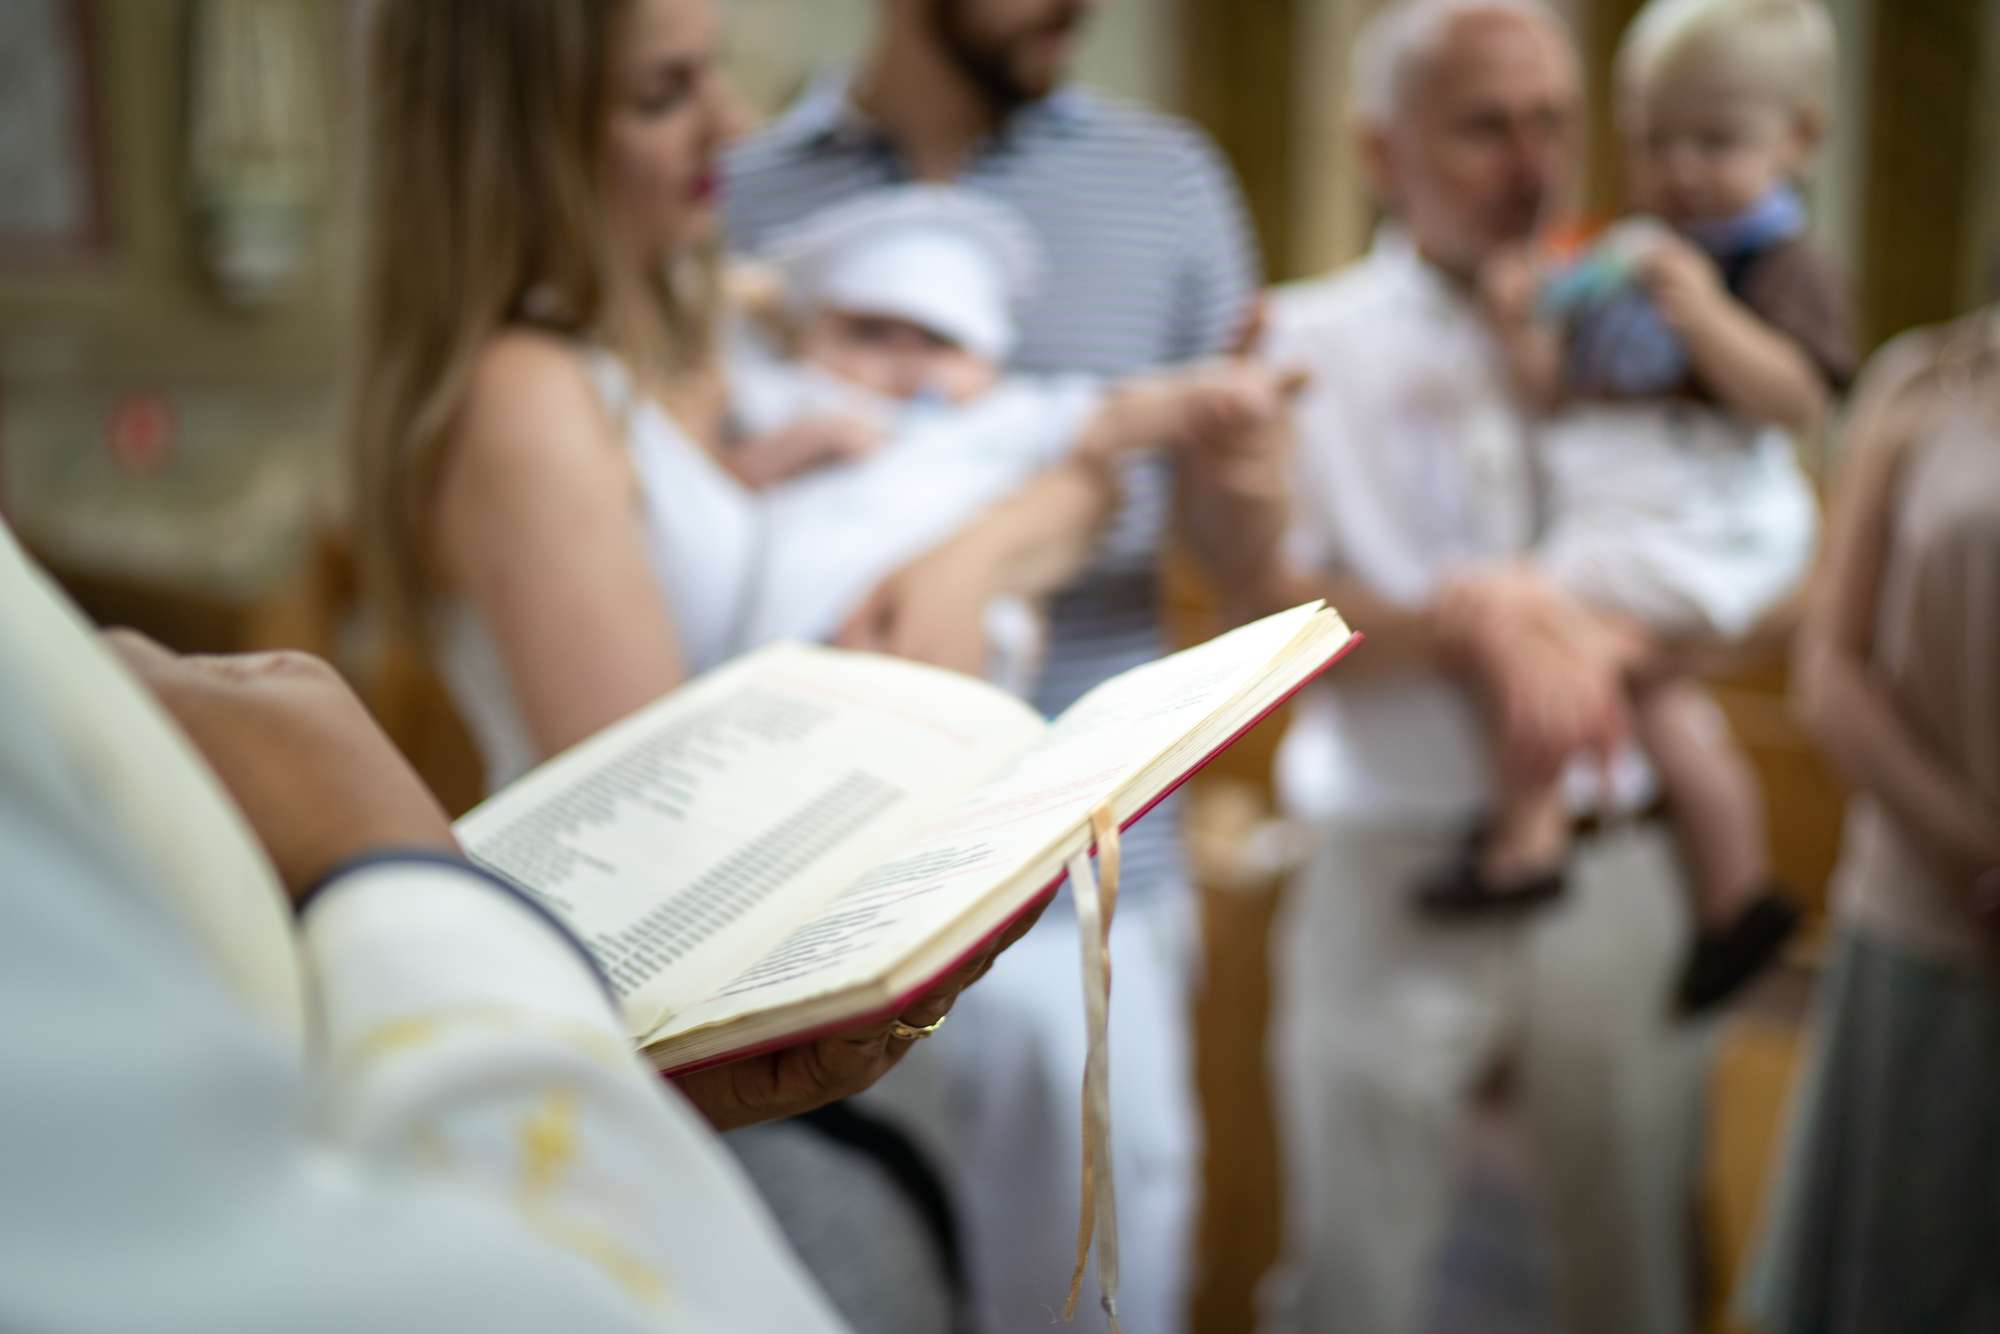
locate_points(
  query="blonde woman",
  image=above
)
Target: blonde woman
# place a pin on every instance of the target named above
(535, 437)
(1888, 1215)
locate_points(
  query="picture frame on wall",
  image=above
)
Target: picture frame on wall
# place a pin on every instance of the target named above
(52, 203)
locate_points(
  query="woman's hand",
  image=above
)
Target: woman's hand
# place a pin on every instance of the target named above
(798, 1079)
(316, 778)
(932, 610)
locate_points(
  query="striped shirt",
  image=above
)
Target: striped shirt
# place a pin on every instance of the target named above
(1150, 262)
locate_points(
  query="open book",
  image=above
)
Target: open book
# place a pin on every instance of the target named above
(809, 838)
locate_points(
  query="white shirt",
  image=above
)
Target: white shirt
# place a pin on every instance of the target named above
(1412, 462)
(468, 1143)
(703, 538)
(831, 534)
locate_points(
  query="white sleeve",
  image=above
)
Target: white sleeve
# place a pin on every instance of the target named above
(472, 1147)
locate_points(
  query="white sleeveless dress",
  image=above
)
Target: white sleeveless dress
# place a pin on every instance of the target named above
(702, 531)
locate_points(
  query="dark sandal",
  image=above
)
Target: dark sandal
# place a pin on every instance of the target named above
(1722, 963)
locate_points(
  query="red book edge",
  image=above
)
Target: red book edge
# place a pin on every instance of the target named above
(1048, 893)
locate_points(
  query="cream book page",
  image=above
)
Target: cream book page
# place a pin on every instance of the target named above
(977, 863)
(699, 832)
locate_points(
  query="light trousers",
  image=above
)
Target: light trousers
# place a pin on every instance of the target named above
(1385, 1023)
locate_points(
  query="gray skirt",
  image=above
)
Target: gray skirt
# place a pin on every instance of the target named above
(1887, 1215)
(861, 1237)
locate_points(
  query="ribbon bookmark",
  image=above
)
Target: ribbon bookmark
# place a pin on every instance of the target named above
(1096, 902)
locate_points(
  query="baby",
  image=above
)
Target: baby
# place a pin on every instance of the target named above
(883, 422)
(1678, 364)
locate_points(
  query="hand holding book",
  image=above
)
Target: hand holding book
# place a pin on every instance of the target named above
(796, 1079)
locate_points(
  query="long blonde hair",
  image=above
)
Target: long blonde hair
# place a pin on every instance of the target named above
(484, 206)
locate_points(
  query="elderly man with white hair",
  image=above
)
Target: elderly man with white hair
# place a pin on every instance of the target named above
(1413, 499)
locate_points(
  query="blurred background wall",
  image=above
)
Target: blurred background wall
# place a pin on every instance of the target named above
(775, 46)
(172, 278)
